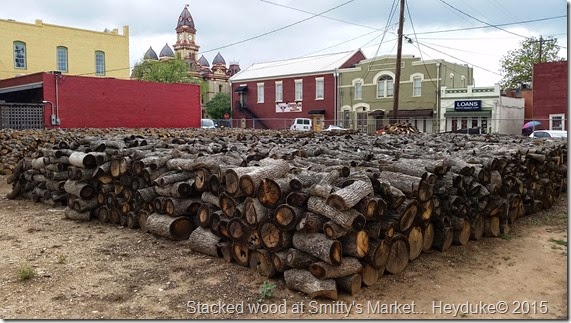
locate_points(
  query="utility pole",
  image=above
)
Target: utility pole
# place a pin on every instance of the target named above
(541, 41)
(398, 63)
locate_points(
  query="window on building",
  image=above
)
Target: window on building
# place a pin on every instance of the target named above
(19, 55)
(279, 91)
(474, 122)
(260, 92)
(99, 63)
(62, 59)
(454, 124)
(463, 80)
(347, 119)
(220, 88)
(358, 90)
(484, 125)
(464, 124)
(557, 122)
(416, 86)
(298, 90)
(319, 88)
(385, 86)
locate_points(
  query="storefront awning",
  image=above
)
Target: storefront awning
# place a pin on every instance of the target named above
(451, 114)
(377, 113)
(241, 89)
(412, 113)
(316, 112)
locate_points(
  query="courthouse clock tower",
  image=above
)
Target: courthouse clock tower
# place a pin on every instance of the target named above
(186, 47)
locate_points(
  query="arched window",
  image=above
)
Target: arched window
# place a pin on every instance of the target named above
(62, 59)
(99, 63)
(385, 86)
(19, 55)
(358, 90)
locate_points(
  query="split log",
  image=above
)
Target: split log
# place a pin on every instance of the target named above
(428, 237)
(461, 227)
(204, 241)
(318, 245)
(303, 281)
(175, 228)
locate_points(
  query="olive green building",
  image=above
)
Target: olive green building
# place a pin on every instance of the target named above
(366, 91)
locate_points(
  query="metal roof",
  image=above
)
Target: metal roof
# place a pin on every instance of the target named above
(296, 66)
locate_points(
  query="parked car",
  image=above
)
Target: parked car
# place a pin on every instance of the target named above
(301, 124)
(549, 134)
(207, 123)
(333, 127)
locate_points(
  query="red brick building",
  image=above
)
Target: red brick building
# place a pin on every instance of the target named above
(53, 100)
(550, 106)
(269, 95)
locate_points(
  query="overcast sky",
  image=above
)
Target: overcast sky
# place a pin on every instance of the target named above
(343, 25)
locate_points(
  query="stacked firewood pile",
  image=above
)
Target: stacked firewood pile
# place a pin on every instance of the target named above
(400, 128)
(329, 213)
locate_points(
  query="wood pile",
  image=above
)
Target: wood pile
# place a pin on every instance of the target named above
(328, 213)
(400, 128)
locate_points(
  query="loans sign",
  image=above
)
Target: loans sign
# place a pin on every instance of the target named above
(468, 105)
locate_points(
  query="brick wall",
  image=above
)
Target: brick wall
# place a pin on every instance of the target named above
(549, 91)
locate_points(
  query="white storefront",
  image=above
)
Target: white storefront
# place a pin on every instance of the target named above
(480, 108)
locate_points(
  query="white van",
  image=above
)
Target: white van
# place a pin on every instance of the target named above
(549, 134)
(301, 124)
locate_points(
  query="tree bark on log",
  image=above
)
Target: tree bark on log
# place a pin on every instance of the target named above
(350, 219)
(350, 284)
(318, 245)
(279, 260)
(269, 168)
(72, 214)
(286, 217)
(323, 270)
(303, 281)
(428, 237)
(261, 262)
(355, 244)
(204, 241)
(311, 223)
(349, 196)
(175, 228)
(298, 259)
(82, 190)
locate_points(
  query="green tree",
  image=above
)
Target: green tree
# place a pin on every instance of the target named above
(218, 106)
(517, 65)
(168, 71)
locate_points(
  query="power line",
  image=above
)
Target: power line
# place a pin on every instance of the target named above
(311, 13)
(491, 26)
(278, 29)
(495, 26)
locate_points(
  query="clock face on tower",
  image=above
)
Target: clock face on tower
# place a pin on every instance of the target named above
(190, 37)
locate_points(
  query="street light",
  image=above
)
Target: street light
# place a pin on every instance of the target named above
(54, 119)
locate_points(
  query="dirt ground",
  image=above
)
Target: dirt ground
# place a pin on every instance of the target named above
(102, 271)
